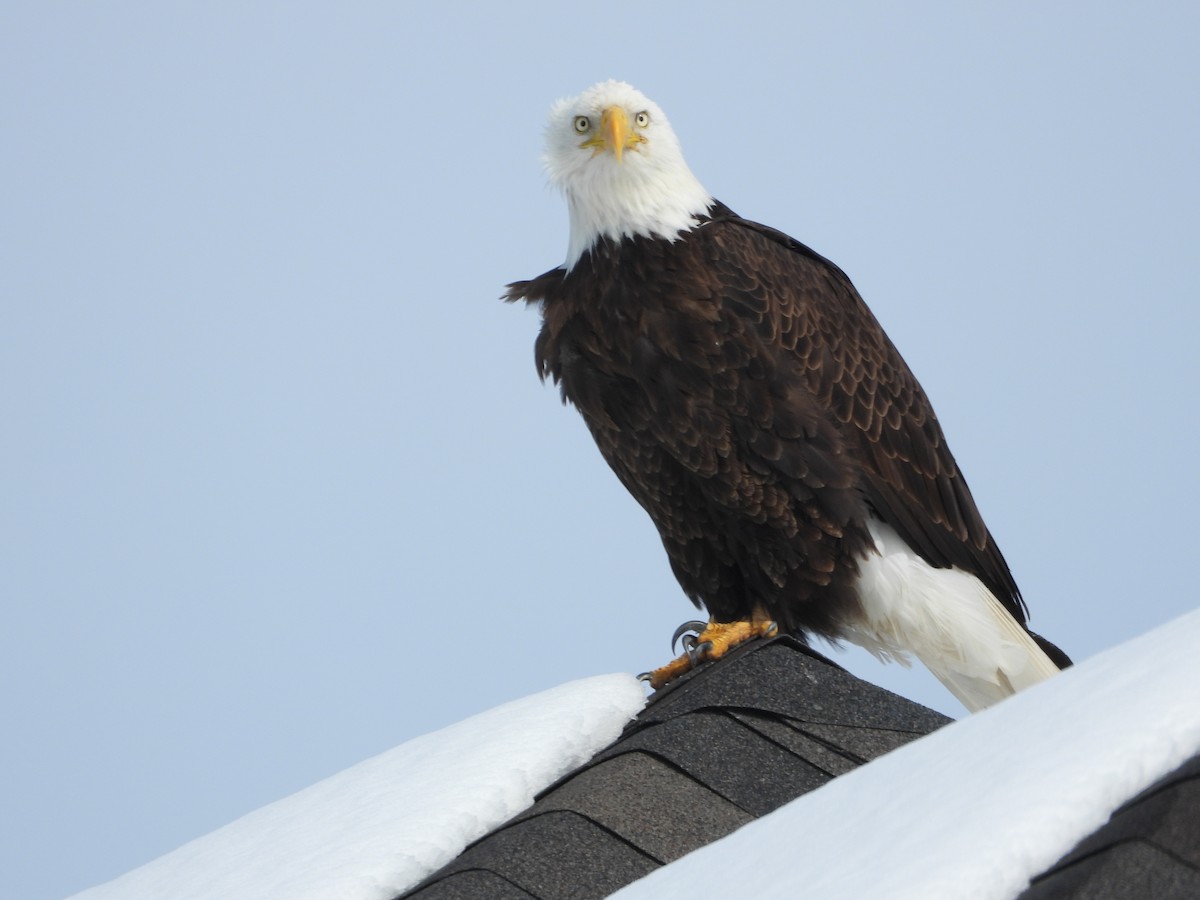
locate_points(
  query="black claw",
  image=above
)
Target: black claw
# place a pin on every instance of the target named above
(773, 630)
(644, 677)
(695, 651)
(689, 647)
(692, 626)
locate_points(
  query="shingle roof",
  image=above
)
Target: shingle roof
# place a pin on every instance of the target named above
(1149, 848)
(790, 718)
(742, 736)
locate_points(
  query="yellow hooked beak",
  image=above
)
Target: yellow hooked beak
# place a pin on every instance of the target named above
(614, 134)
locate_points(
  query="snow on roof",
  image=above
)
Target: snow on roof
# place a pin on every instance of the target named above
(377, 828)
(980, 807)
(975, 809)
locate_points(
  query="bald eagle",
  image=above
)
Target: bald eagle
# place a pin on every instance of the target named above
(741, 390)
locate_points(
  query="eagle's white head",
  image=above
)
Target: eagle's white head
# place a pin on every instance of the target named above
(613, 153)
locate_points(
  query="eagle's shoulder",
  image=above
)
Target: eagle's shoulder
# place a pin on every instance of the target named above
(535, 290)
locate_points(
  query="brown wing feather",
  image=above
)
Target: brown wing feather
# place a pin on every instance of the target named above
(844, 357)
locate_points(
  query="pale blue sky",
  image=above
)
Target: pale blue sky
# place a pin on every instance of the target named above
(280, 486)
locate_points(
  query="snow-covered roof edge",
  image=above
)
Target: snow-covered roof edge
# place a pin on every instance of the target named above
(980, 807)
(373, 830)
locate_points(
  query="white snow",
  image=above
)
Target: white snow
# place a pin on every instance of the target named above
(379, 827)
(973, 810)
(980, 807)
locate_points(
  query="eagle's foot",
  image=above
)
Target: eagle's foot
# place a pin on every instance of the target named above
(712, 642)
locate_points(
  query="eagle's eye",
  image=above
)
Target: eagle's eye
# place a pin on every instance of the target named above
(642, 119)
(582, 124)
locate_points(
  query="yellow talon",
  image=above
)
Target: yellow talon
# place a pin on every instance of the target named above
(717, 639)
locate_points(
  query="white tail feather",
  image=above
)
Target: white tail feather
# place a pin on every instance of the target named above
(947, 619)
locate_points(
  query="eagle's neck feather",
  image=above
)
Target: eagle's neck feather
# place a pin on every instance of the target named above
(632, 200)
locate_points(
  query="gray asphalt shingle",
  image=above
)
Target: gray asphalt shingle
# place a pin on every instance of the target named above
(726, 744)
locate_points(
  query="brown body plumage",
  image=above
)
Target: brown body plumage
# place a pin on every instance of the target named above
(758, 417)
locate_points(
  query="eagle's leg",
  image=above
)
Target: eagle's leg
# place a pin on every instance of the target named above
(717, 639)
